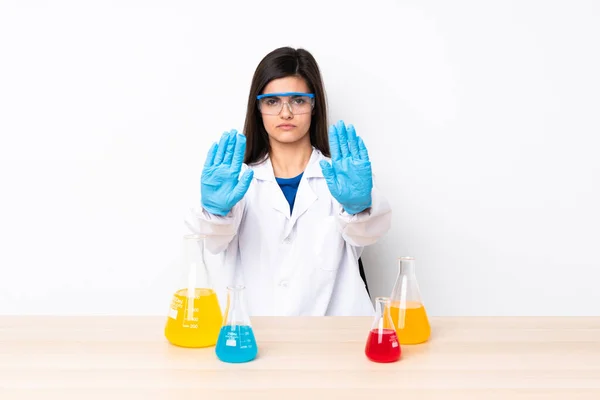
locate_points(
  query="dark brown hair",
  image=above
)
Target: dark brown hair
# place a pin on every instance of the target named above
(281, 63)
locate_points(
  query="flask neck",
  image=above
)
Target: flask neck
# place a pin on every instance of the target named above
(236, 311)
(194, 248)
(195, 263)
(381, 305)
(383, 319)
(235, 294)
(406, 289)
(406, 266)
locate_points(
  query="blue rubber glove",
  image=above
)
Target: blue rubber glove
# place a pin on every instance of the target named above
(220, 187)
(349, 177)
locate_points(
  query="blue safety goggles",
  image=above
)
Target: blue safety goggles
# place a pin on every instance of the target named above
(285, 94)
(298, 103)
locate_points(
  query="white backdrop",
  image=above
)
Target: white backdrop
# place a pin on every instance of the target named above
(481, 119)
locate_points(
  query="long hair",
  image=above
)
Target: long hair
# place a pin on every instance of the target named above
(281, 63)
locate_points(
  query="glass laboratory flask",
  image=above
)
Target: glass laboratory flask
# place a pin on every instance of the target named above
(236, 342)
(382, 343)
(195, 315)
(407, 309)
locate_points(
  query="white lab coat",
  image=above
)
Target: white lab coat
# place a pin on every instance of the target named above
(305, 263)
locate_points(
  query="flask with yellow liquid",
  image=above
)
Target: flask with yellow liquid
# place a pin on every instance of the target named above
(195, 317)
(406, 307)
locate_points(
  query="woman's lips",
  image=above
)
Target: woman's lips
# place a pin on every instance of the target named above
(286, 127)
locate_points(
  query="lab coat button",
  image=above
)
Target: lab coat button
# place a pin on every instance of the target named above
(283, 283)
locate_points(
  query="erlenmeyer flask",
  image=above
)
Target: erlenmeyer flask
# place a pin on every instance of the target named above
(407, 309)
(236, 342)
(195, 315)
(382, 342)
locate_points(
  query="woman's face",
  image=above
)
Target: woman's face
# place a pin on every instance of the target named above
(287, 127)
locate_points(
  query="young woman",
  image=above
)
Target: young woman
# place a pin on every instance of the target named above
(291, 202)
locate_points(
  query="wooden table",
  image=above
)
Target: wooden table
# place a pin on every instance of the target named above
(314, 358)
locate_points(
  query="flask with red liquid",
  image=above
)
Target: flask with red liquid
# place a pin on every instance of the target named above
(382, 344)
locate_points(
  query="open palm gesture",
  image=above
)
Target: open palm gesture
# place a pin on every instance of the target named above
(219, 186)
(349, 175)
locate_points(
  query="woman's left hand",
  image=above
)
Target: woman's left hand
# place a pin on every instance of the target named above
(349, 176)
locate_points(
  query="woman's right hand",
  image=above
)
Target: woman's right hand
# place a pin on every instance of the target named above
(220, 188)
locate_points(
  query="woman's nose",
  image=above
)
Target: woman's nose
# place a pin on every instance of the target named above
(286, 111)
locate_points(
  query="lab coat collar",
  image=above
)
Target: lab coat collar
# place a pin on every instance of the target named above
(264, 169)
(305, 196)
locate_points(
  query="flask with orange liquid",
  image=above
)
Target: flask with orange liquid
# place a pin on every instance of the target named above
(195, 316)
(406, 308)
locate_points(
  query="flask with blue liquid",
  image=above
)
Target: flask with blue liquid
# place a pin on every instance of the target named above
(236, 342)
